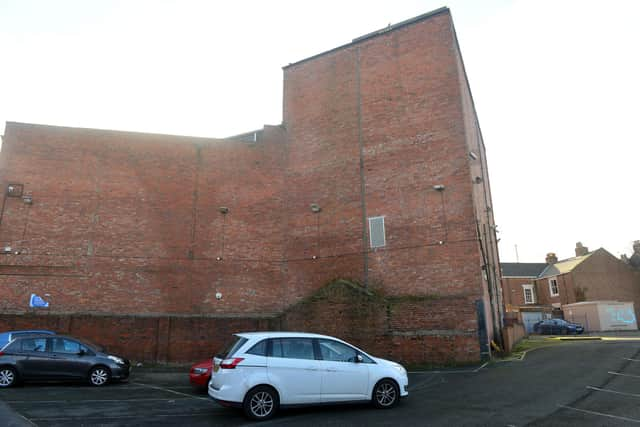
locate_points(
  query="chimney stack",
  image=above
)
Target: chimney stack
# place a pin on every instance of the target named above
(636, 247)
(581, 250)
(551, 258)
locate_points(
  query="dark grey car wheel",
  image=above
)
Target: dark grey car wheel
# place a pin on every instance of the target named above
(386, 394)
(99, 376)
(261, 403)
(8, 376)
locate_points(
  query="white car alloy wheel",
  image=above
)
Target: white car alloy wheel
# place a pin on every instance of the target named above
(261, 403)
(7, 377)
(99, 376)
(385, 394)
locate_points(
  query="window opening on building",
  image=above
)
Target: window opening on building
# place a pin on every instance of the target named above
(529, 295)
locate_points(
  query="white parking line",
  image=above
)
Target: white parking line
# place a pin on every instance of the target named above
(96, 400)
(122, 417)
(633, 360)
(613, 391)
(174, 392)
(632, 420)
(623, 375)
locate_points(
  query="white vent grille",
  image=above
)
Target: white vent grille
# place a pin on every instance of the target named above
(376, 232)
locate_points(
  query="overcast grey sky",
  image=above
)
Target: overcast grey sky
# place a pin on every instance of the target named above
(555, 84)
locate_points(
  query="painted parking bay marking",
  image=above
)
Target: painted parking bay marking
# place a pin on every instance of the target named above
(613, 391)
(623, 375)
(174, 392)
(601, 414)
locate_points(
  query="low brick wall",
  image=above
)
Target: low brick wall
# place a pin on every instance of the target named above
(144, 338)
(414, 330)
(512, 334)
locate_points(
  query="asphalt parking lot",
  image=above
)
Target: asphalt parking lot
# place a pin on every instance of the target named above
(586, 383)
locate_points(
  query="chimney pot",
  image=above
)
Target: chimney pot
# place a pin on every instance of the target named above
(551, 258)
(581, 250)
(636, 247)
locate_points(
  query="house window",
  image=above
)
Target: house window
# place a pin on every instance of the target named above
(529, 294)
(553, 287)
(376, 232)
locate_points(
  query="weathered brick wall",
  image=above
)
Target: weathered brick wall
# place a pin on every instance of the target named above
(144, 338)
(408, 329)
(415, 330)
(130, 224)
(513, 293)
(385, 117)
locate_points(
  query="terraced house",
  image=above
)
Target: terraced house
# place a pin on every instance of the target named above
(592, 281)
(365, 214)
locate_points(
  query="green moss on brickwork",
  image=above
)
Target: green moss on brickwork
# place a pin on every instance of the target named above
(412, 298)
(337, 287)
(372, 295)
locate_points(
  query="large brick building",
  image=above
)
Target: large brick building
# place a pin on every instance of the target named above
(163, 245)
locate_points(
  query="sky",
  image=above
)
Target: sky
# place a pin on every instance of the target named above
(555, 83)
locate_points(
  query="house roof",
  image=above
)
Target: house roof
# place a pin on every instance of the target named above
(564, 266)
(522, 269)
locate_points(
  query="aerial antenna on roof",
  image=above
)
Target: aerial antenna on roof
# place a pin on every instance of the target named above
(517, 257)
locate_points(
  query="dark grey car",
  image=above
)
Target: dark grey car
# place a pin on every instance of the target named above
(60, 358)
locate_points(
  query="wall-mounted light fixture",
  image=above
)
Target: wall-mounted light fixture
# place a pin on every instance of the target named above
(27, 200)
(473, 155)
(315, 208)
(7, 250)
(15, 190)
(223, 210)
(438, 187)
(218, 258)
(477, 179)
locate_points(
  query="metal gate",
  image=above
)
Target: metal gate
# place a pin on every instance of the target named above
(529, 318)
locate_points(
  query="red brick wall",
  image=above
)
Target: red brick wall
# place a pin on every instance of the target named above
(144, 338)
(124, 223)
(513, 294)
(410, 330)
(478, 185)
(392, 102)
(129, 223)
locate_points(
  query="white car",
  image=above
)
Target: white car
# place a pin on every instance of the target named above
(263, 371)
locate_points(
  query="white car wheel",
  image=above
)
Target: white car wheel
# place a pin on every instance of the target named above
(261, 403)
(8, 377)
(99, 376)
(385, 394)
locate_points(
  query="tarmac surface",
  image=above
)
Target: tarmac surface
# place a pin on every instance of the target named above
(573, 383)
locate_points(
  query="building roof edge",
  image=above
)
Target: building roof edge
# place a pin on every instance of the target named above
(373, 34)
